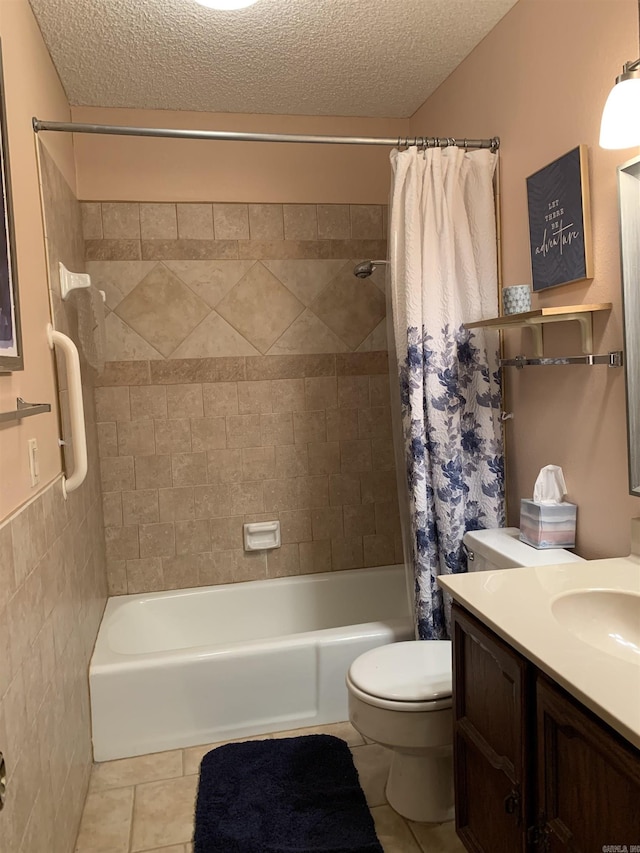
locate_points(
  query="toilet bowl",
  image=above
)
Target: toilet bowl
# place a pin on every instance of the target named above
(400, 695)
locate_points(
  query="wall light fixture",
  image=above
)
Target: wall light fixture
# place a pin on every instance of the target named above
(620, 127)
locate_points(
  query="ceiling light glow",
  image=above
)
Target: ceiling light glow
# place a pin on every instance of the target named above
(226, 5)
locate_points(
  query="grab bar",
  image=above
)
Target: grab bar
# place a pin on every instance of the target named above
(76, 408)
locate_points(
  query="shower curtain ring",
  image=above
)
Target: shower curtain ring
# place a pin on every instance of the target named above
(452, 141)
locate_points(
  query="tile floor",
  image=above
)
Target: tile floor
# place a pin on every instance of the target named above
(147, 803)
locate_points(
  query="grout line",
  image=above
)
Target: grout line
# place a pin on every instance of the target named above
(133, 804)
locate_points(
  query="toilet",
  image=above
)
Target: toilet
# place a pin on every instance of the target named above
(400, 694)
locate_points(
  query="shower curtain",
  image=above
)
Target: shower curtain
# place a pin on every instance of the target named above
(443, 264)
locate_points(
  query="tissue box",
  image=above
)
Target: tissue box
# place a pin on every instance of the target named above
(548, 525)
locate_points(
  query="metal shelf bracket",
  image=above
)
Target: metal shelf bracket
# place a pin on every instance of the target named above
(24, 410)
(611, 359)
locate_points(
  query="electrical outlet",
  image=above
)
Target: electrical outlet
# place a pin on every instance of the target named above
(34, 462)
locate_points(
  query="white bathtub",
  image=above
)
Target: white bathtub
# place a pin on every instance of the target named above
(186, 667)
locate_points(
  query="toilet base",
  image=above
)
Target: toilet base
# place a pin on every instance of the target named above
(420, 786)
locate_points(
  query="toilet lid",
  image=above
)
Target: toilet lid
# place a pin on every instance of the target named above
(413, 671)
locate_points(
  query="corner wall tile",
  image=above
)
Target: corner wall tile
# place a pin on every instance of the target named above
(122, 542)
(112, 509)
(91, 220)
(144, 575)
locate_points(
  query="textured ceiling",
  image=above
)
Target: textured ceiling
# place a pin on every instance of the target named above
(305, 57)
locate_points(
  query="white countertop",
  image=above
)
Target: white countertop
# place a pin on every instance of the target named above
(517, 605)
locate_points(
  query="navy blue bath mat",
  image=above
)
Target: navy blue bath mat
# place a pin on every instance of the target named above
(289, 795)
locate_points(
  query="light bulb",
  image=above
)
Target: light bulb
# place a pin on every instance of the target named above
(226, 5)
(620, 127)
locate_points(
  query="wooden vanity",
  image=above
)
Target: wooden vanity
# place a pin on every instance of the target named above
(535, 770)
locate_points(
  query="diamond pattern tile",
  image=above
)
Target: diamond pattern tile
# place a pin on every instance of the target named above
(162, 309)
(305, 279)
(351, 307)
(210, 280)
(307, 334)
(260, 307)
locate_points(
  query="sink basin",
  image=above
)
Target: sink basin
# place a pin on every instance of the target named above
(608, 620)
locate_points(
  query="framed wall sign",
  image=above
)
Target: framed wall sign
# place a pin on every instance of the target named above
(10, 339)
(560, 221)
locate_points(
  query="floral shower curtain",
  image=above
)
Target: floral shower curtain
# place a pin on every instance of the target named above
(443, 274)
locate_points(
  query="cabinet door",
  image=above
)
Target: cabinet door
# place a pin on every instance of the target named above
(491, 689)
(588, 778)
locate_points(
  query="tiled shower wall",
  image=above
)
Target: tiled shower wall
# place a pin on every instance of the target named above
(247, 380)
(52, 592)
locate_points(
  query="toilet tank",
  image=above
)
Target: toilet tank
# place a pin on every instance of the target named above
(501, 548)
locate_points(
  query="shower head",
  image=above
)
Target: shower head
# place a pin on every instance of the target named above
(364, 269)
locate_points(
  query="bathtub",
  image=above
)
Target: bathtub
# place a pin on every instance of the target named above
(196, 666)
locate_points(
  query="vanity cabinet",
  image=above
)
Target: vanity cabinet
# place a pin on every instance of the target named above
(534, 769)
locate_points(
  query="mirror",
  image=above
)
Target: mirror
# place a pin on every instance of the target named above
(629, 197)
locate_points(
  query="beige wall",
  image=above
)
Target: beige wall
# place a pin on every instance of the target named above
(31, 87)
(52, 592)
(540, 80)
(127, 169)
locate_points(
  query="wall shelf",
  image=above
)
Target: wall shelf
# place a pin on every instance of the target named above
(536, 320)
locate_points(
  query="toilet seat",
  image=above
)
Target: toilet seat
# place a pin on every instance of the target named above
(410, 676)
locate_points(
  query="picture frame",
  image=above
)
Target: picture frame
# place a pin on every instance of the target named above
(11, 358)
(558, 204)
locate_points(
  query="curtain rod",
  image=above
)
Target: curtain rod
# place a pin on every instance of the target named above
(229, 135)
